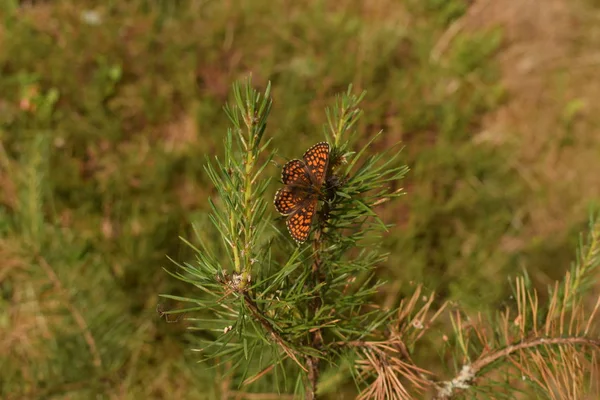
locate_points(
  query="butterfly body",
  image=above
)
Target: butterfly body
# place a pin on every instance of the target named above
(304, 180)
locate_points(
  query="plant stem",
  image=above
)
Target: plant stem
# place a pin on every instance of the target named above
(247, 209)
(272, 331)
(316, 337)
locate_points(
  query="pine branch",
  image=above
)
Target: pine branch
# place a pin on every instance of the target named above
(313, 297)
(564, 323)
(345, 117)
(588, 258)
(469, 372)
(293, 354)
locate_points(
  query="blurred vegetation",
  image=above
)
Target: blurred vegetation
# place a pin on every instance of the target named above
(107, 114)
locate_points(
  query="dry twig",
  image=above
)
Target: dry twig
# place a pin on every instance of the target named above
(469, 372)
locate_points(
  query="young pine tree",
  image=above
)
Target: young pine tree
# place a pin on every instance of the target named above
(284, 307)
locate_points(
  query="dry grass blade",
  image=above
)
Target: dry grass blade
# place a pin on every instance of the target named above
(411, 329)
(258, 375)
(588, 325)
(405, 309)
(77, 316)
(594, 386)
(552, 310)
(259, 396)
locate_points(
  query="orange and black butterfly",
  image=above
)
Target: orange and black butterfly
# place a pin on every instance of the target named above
(303, 180)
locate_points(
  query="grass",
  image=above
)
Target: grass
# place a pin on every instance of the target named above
(106, 115)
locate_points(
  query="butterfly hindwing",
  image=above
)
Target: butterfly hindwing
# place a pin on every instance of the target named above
(287, 200)
(299, 222)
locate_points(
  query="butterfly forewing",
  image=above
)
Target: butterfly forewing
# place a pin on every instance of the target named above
(317, 159)
(300, 221)
(295, 173)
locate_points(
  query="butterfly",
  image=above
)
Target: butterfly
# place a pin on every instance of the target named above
(303, 180)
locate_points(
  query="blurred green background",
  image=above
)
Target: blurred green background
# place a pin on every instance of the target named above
(109, 109)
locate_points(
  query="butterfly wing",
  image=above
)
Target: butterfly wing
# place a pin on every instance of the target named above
(300, 221)
(295, 173)
(298, 199)
(288, 199)
(317, 160)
